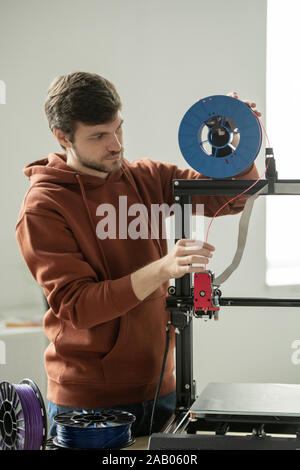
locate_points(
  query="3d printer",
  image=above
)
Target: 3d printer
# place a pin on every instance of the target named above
(219, 136)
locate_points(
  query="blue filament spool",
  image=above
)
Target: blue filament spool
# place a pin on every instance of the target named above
(91, 429)
(219, 136)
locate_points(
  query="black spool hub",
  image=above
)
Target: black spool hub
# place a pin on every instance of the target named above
(216, 136)
(219, 136)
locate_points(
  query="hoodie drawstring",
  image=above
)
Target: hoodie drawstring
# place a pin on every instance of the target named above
(133, 184)
(85, 201)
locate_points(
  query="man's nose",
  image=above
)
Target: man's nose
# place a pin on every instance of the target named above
(115, 144)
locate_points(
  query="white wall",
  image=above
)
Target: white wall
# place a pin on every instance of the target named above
(162, 56)
(21, 350)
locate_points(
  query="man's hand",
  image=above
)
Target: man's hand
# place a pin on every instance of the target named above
(250, 103)
(186, 252)
(175, 264)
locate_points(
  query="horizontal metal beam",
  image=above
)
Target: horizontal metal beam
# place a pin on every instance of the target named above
(212, 187)
(258, 302)
(183, 304)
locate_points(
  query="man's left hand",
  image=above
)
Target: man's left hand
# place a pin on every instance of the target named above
(249, 103)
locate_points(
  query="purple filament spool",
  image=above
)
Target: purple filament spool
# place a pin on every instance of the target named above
(23, 420)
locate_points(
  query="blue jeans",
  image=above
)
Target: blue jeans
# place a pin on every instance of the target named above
(165, 407)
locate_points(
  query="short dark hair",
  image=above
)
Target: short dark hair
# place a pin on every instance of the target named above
(80, 96)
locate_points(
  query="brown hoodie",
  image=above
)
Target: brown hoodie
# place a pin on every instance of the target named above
(106, 346)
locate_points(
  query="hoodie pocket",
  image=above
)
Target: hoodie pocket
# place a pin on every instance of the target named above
(85, 368)
(82, 371)
(115, 352)
(65, 364)
(137, 355)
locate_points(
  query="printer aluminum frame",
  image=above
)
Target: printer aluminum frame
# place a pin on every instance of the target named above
(181, 304)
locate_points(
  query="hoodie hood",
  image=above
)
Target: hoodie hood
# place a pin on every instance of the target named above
(54, 169)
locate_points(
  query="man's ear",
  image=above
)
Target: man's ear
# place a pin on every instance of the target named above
(62, 138)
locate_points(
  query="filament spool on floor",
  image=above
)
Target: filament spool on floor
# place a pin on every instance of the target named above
(219, 136)
(89, 429)
(23, 418)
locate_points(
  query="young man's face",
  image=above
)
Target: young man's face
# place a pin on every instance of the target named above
(98, 147)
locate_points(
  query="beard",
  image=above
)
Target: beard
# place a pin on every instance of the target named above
(105, 166)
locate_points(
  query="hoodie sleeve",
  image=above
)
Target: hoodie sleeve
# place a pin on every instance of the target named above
(70, 284)
(170, 172)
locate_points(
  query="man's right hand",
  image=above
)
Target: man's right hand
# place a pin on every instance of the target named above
(183, 255)
(175, 264)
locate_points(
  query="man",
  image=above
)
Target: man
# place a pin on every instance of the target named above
(107, 317)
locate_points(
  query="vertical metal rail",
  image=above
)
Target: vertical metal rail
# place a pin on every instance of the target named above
(183, 323)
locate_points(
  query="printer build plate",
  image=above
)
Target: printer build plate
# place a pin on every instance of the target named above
(257, 399)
